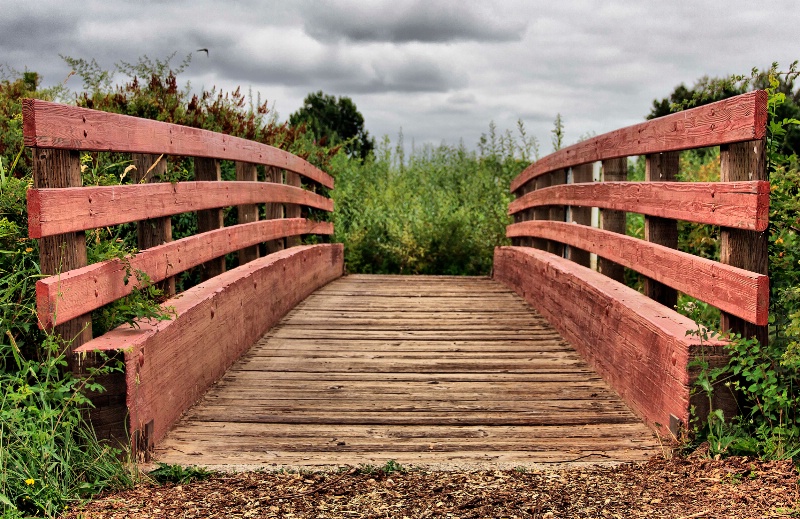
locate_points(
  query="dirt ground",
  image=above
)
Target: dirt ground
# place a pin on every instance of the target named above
(677, 488)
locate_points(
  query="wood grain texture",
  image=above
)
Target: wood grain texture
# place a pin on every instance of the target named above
(741, 205)
(734, 290)
(613, 170)
(153, 232)
(293, 210)
(740, 118)
(61, 169)
(343, 380)
(208, 170)
(246, 172)
(53, 125)
(57, 211)
(639, 346)
(557, 213)
(79, 291)
(170, 364)
(581, 215)
(744, 248)
(661, 167)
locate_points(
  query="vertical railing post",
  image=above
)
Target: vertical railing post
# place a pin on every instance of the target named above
(293, 210)
(156, 231)
(523, 216)
(661, 167)
(247, 172)
(581, 215)
(274, 211)
(209, 219)
(541, 212)
(558, 213)
(614, 170)
(738, 247)
(57, 169)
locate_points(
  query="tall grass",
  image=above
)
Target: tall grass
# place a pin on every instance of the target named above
(439, 210)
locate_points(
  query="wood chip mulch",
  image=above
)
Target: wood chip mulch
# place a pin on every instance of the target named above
(675, 488)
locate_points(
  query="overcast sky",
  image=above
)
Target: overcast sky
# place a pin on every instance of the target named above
(439, 69)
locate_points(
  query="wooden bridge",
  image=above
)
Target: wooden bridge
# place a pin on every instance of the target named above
(282, 361)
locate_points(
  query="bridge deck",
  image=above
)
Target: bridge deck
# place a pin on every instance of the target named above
(437, 371)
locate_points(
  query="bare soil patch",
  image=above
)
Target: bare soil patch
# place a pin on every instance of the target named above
(674, 488)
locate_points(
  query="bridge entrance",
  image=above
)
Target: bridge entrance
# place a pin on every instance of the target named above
(450, 371)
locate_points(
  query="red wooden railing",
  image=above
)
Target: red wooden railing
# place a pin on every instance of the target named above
(168, 364)
(639, 344)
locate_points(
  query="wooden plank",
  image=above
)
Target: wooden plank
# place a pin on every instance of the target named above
(53, 125)
(169, 364)
(639, 346)
(57, 211)
(209, 219)
(274, 210)
(155, 231)
(613, 170)
(339, 389)
(661, 167)
(246, 172)
(741, 205)
(744, 248)
(60, 298)
(740, 118)
(581, 215)
(293, 210)
(558, 213)
(58, 170)
(737, 291)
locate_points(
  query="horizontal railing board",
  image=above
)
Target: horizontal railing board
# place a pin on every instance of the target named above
(741, 205)
(733, 290)
(58, 211)
(737, 119)
(170, 364)
(54, 125)
(77, 292)
(637, 345)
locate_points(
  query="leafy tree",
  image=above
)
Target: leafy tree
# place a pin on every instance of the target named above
(334, 121)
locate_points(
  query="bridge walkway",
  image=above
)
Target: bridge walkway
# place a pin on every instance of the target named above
(425, 370)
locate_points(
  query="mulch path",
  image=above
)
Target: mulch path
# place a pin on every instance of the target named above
(675, 488)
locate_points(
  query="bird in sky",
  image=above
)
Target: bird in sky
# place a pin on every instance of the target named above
(202, 50)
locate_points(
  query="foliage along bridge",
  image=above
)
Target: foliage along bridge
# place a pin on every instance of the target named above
(283, 360)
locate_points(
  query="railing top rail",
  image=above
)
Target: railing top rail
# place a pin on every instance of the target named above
(737, 119)
(54, 125)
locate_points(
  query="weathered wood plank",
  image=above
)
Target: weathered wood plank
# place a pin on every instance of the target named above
(740, 118)
(639, 346)
(613, 170)
(75, 292)
(734, 290)
(53, 125)
(741, 205)
(744, 248)
(351, 375)
(661, 167)
(246, 172)
(57, 211)
(215, 323)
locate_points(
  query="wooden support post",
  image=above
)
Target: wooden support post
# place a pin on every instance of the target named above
(209, 219)
(614, 170)
(581, 215)
(60, 253)
(661, 167)
(741, 248)
(293, 210)
(558, 213)
(54, 169)
(274, 211)
(155, 231)
(543, 212)
(523, 216)
(247, 213)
